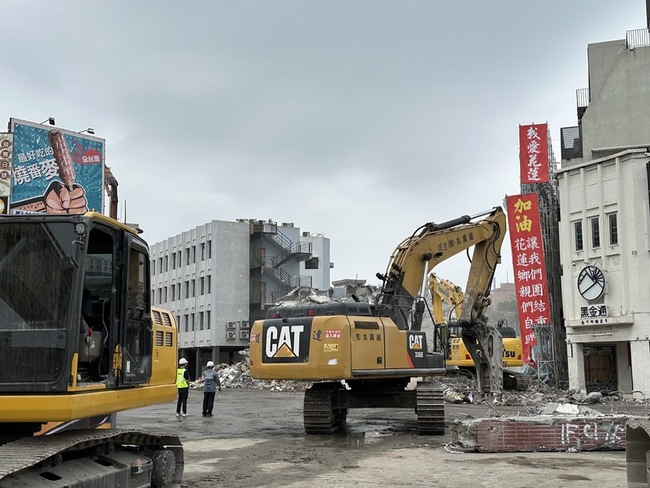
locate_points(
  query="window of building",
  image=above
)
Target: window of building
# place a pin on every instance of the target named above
(201, 321)
(187, 255)
(193, 288)
(202, 251)
(202, 285)
(178, 322)
(613, 229)
(595, 232)
(164, 295)
(179, 261)
(160, 264)
(194, 254)
(153, 266)
(173, 290)
(159, 295)
(187, 322)
(209, 284)
(209, 249)
(207, 319)
(192, 321)
(577, 233)
(311, 263)
(166, 263)
(187, 289)
(174, 260)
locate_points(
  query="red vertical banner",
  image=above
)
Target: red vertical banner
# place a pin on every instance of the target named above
(533, 153)
(529, 267)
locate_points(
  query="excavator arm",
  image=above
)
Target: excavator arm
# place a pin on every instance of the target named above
(431, 244)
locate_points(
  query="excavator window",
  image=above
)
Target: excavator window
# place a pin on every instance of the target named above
(136, 366)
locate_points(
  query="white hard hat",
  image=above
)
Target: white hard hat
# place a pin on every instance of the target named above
(210, 364)
(182, 361)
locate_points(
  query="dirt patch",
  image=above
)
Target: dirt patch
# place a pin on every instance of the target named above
(256, 439)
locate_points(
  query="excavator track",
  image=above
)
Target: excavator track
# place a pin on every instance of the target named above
(430, 409)
(84, 458)
(320, 416)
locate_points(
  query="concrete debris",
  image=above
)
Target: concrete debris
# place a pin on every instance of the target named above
(539, 433)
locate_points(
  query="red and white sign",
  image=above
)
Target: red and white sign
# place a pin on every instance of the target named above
(529, 266)
(533, 153)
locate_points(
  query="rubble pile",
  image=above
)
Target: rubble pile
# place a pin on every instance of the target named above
(238, 376)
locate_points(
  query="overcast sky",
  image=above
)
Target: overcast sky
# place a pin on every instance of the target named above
(360, 120)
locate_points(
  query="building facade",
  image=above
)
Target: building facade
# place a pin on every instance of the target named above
(221, 276)
(605, 221)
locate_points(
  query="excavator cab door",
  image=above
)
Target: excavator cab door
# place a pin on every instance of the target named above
(136, 327)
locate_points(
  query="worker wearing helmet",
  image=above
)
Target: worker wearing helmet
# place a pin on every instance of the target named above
(183, 385)
(210, 384)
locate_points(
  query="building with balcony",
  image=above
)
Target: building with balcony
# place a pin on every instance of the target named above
(221, 276)
(605, 221)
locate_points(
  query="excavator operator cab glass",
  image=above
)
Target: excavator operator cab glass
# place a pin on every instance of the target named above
(136, 367)
(37, 269)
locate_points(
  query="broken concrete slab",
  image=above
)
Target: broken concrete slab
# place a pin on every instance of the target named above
(586, 431)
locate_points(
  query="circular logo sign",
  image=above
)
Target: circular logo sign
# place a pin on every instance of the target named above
(591, 283)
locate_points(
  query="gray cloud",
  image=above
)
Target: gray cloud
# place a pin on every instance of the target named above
(360, 120)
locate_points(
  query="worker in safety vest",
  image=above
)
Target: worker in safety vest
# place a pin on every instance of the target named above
(183, 385)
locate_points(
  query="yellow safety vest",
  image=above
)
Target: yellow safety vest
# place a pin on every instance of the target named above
(181, 382)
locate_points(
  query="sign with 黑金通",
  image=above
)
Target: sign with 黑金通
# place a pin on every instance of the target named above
(55, 171)
(533, 153)
(529, 266)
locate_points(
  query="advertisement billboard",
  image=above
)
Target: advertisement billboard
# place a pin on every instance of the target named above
(55, 171)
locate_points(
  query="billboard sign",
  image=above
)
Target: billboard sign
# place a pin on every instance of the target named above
(55, 171)
(533, 153)
(529, 266)
(6, 152)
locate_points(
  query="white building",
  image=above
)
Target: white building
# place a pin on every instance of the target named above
(605, 221)
(221, 276)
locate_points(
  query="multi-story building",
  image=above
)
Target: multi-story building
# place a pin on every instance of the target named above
(605, 221)
(219, 277)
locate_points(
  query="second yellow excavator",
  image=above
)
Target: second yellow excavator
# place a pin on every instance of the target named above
(445, 292)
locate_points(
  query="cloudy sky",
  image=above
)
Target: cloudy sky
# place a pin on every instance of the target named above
(358, 119)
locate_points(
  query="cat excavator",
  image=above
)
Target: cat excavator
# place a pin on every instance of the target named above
(80, 341)
(361, 355)
(445, 292)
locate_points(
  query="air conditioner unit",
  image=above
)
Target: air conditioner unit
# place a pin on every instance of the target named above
(231, 325)
(245, 324)
(243, 334)
(231, 336)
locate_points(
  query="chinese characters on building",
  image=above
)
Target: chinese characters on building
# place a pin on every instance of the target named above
(533, 153)
(593, 311)
(529, 267)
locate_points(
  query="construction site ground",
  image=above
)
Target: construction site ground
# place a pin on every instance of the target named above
(256, 439)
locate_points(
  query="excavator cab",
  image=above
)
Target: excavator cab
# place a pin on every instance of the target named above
(79, 342)
(76, 319)
(63, 320)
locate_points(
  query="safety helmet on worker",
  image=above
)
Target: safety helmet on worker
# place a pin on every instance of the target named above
(210, 364)
(182, 361)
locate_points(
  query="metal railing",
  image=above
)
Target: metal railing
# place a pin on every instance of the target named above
(637, 38)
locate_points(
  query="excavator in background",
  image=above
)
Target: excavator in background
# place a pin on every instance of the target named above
(80, 341)
(444, 291)
(361, 355)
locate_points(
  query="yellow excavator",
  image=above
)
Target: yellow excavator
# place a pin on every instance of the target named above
(445, 292)
(80, 341)
(361, 355)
